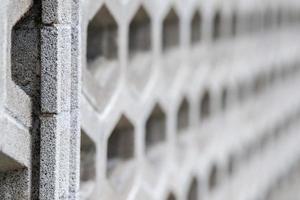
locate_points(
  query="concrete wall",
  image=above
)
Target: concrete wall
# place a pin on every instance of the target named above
(149, 99)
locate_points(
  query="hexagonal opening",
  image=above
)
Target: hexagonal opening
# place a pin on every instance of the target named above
(234, 22)
(285, 18)
(276, 18)
(267, 20)
(246, 22)
(140, 33)
(196, 29)
(290, 16)
(231, 165)
(273, 76)
(140, 43)
(224, 99)
(14, 179)
(120, 149)
(216, 32)
(155, 128)
(260, 83)
(193, 193)
(259, 21)
(25, 53)
(102, 41)
(294, 16)
(252, 21)
(265, 139)
(213, 178)
(170, 37)
(205, 105)
(87, 166)
(171, 196)
(279, 17)
(183, 116)
(244, 90)
(249, 151)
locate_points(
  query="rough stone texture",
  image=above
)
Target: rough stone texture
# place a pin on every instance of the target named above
(14, 184)
(149, 99)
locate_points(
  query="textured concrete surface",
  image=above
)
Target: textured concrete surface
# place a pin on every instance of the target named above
(149, 99)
